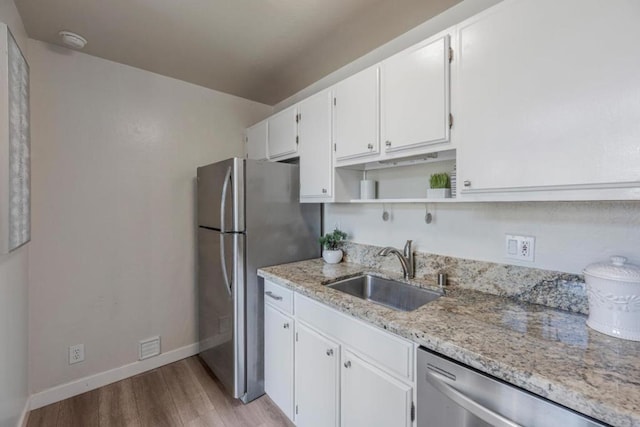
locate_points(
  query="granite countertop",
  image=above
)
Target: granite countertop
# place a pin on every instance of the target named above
(549, 352)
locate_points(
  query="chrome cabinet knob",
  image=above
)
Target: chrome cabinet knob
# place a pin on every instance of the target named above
(467, 183)
(330, 352)
(286, 325)
(388, 143)
(370, 146)
(324, 191)
(347, 364)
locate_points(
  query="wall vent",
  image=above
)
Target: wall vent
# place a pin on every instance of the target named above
(149, 348)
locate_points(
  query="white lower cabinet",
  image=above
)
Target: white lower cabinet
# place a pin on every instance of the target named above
(278, 358)
(370, 397)
(344, 371)
(316, 378)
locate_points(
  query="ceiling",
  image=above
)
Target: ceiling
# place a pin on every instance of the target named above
(264, 50)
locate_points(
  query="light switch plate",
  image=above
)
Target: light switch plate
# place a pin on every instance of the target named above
(521, 248)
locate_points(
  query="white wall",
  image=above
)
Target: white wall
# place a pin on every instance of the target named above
(13, 291)
(115, 151)
(569, 235)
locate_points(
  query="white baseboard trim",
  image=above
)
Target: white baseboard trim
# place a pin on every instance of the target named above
(74, 388)
(24, 417)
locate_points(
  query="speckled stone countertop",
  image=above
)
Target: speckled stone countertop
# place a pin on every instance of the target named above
(549, 352)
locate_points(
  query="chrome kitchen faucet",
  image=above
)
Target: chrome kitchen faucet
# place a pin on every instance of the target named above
(406, 259)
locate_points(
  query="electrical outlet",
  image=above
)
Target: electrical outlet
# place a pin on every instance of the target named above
(76, 353)
(521, 248)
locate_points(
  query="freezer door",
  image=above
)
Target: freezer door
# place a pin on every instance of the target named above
(221, 195)
(221, 311)
(280, 228)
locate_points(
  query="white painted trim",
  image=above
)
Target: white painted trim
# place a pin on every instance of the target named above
(24, 417)
(92, 382)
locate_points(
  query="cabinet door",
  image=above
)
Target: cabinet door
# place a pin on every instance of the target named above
(283, 132)
(414, 97)
(356, 115)
(549, 98)
(314, 130)
(278, 358)
(316, 379)
(257, 141)
(371, 397)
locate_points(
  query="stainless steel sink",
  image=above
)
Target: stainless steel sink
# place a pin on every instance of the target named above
(386, 292)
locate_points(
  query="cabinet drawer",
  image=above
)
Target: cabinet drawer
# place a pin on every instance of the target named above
(389, 351)
(278, 296)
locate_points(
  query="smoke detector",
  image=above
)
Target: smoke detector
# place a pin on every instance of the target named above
(72, 39)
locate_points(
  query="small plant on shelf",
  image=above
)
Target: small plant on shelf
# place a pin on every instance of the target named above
(440, 186)
(440, 180)
(332, 254)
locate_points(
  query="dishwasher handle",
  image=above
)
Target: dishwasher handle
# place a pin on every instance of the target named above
(485, 414)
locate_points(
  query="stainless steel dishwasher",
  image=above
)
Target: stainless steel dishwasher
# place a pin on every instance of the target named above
(453, 395)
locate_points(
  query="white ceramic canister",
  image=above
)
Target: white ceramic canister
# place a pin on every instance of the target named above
(367, 189)
(613, 290)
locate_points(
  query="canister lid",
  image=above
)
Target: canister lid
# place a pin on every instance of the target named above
(616, 269)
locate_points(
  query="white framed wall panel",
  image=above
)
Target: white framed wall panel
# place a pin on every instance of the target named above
(15, 215)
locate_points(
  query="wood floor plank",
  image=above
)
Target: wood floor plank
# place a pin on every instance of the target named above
(223, 404)
(187, 393)
(210, 419)
(153, 400)
(117, 405)
(44, 417)
(79, 411)
(183, 393)
(269, 412)
(247, 415)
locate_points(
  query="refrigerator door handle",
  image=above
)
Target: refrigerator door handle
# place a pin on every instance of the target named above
(223, 262)
(223, 201)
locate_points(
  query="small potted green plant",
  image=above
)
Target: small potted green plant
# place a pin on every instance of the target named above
(440, 186)
(331, 253)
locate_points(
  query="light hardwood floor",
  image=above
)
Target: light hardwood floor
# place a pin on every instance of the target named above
(184, 393)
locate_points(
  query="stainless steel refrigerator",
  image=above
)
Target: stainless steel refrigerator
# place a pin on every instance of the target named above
(249, 217)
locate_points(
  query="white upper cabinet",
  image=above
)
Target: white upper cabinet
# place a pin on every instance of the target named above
(549, 100)
(257, 141)
(414, 96)
(356, 115)
(282, 142)
(315, 147)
